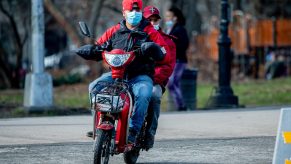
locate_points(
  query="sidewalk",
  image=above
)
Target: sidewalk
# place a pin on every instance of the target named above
(230, 123)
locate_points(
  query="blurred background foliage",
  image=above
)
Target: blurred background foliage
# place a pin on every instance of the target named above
(62, 35)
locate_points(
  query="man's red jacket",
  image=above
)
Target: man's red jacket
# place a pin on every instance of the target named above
(120, 37)
(164, 68)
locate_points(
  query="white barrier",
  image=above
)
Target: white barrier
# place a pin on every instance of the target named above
(282, 153)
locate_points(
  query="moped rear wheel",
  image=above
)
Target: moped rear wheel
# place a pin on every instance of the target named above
(102, 147)
(131, 157)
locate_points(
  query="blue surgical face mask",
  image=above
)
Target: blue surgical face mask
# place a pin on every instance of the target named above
(169, 24)
(133, 18)
(157, 27)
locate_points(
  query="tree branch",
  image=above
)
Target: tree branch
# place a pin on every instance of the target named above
(4, 67)
(13, 24)
(95, 14)
(18, 48)
(56, 13)
(115, 9)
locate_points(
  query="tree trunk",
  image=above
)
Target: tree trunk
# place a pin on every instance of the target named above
(15, 78)
(5, 70)
(60, 18)
(95, 14)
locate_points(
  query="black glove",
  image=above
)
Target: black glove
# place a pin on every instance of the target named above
(90, 52)
(153, 50)
(138, 52)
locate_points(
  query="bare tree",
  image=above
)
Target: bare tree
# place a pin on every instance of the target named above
(96, 12)
(63, 22)
(68, 13)
(11, 9)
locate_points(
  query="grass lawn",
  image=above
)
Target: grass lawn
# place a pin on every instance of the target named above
(252, 93)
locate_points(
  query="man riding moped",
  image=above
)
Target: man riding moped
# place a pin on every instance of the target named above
(132, 34)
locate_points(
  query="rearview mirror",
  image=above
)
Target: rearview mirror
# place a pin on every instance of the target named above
(84, 29)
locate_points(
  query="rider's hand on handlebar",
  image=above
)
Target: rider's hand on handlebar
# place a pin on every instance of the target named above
(143, 49)
(138, 52)
(151, 49)
(89, 52)
(84, 50)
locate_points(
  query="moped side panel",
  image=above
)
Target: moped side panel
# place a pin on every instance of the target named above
(122, 126)
(97, 117)
(96, 122)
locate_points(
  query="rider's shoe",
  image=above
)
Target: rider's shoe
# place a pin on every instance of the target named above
(149, 142)
(130, 139)
(90, 134)
(128, 147)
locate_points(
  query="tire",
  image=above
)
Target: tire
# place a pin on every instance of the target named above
(102, 147)
(131, 156)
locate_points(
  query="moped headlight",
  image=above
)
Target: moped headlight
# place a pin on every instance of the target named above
(116, 60)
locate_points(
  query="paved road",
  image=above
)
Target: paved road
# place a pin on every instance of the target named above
(188, 125)
(256, 150)
(215, 136)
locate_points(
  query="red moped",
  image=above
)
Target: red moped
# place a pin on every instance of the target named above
(113, 106)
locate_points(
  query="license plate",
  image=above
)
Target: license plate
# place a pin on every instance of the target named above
(108, 103)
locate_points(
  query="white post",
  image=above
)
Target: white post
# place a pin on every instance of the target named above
(38, 84)
(37, 23)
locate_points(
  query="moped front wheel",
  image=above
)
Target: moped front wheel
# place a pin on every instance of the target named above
(102, 147)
